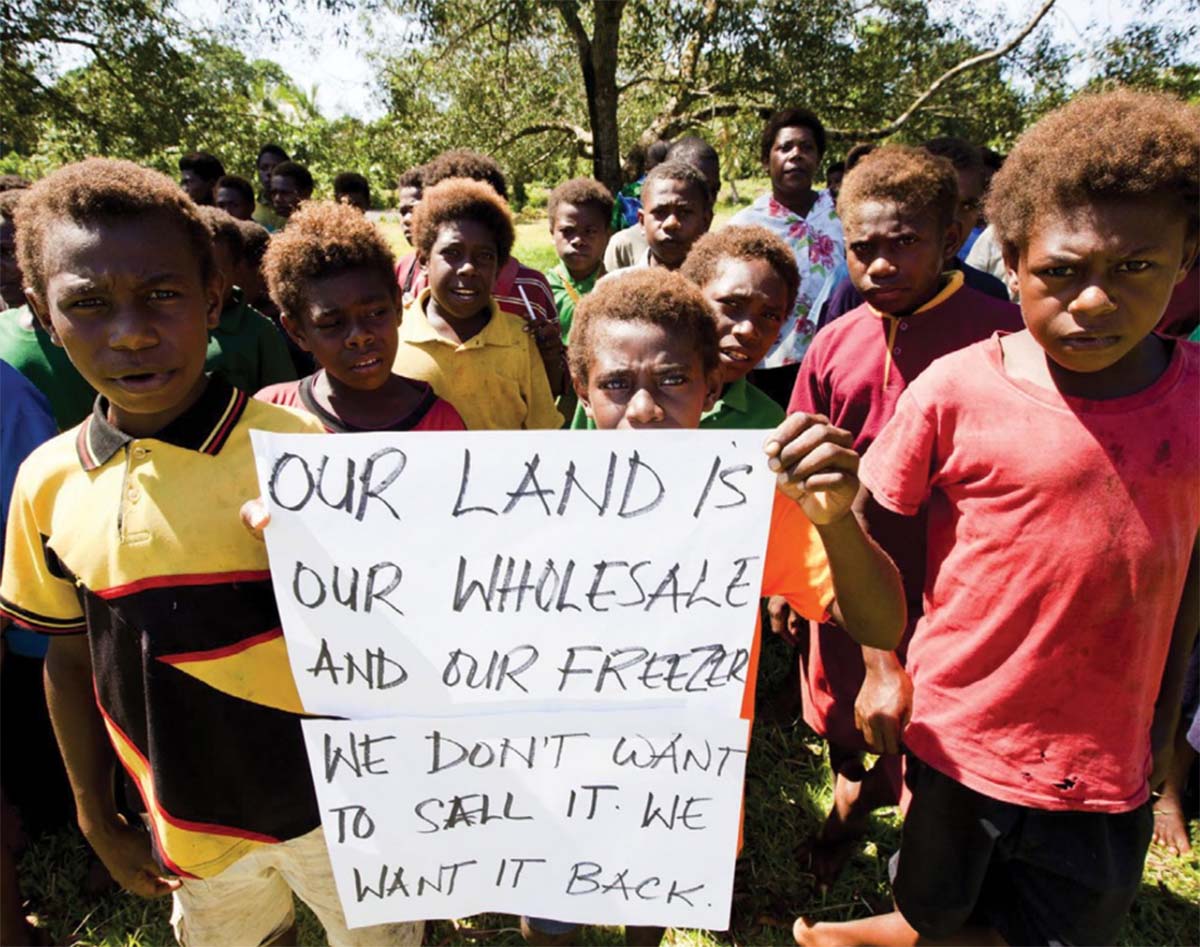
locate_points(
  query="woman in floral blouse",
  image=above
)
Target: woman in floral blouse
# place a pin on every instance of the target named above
(793, 143)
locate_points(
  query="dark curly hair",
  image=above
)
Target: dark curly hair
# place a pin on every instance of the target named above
(226, 229)
(463, 163)
(208, 166)
(790, 118)
(101, 190)
(13, 182)
(351, 182)
(913, 178)
(674, 169)
(323, 239)
(237, 183)
(462, 199)
(742, 243)
(9, 201)
(255, 238)
(412, 177)
(1099, 146)
(297, 172)
(652, 296)
(581, 192)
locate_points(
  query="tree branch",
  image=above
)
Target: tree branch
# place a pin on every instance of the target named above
(581, 135)
(948, 76)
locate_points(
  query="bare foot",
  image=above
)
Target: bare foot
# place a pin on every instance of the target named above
(843, 828)
(1170, 829)
(807, 934)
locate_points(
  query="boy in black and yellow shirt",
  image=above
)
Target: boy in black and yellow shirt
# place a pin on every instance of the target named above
(123, 543)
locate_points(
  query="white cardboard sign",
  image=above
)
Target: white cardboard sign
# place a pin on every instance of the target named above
(440, 573)
(623, 817)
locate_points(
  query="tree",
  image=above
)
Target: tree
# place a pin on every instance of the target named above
(655, 68)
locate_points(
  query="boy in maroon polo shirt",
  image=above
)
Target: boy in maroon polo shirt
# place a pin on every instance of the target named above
(1061, 468)
(899, 215)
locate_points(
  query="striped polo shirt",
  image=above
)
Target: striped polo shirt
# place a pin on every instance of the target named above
(137, 542)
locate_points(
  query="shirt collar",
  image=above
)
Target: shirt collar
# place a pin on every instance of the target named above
(954, 282)
(500, 330)
(205, 426)
(735, 397)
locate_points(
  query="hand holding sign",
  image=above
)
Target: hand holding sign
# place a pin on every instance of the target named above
(816, 466)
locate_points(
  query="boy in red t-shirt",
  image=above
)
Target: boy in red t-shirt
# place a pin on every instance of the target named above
(898, 209)
(1061, 468)
(330, 272)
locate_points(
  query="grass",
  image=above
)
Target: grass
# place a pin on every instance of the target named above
(787, 793)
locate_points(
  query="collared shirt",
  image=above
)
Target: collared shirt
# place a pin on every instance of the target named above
(27, 347)
(247, 348)
(741, 407)
(519, 289)
(568, 291)
(817, 243)
(430, 413)
(495, 379)
(138, 543)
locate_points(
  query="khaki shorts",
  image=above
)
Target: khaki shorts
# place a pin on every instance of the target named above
(250, 902)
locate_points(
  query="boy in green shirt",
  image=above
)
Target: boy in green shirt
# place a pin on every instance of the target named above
(245, 347)
(579, 212)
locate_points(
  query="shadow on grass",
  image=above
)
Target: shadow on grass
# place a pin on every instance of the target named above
(788, 792)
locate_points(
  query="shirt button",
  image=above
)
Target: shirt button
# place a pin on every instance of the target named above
(904, 327)
(140, 452)
(896, 350)
(133, 495)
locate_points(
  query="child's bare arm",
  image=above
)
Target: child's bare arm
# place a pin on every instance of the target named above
(89, 761)
(818, 469)
(1170, 693)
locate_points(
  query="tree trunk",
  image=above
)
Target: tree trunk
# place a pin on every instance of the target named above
(603, 98)
(598, 62)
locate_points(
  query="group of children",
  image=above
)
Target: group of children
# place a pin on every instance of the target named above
(983, 539)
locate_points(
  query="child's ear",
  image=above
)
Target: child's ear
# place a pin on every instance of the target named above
(642, 217)
(952, 240)
(581, 392)
(713, 388)
(37, 305)
(214, 296)
(1191, 247)
(1012, 267)
(294, 330)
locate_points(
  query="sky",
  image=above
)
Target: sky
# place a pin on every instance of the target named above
(342, 71)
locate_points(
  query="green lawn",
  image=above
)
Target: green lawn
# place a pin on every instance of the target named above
(787, 794)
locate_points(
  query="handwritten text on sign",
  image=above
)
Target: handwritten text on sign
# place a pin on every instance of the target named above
(440, 573)
(593, 817)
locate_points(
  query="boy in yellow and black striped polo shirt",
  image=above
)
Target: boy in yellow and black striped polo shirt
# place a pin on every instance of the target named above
(123, 543)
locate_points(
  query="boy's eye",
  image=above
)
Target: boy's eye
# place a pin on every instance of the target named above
(907, 240)
(860, 249)
(163, 294)
(673, 379)
(1055, 272)
(86, 302)
(612, 383)
(1134, 266)
(774, 316)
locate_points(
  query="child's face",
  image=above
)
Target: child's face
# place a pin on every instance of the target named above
(266, 164)
(196, 187)
(896, 255)
(971, 185)
(674, 215)
(349, 324)
(355, 199)
(793, 161)
(462, 268)
(12, 291)
(286, 195)
(406, 202)
(128, 302)
(234, 203)
(1094, 281)
(749, 300)
(580, 236)
(639, 376)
